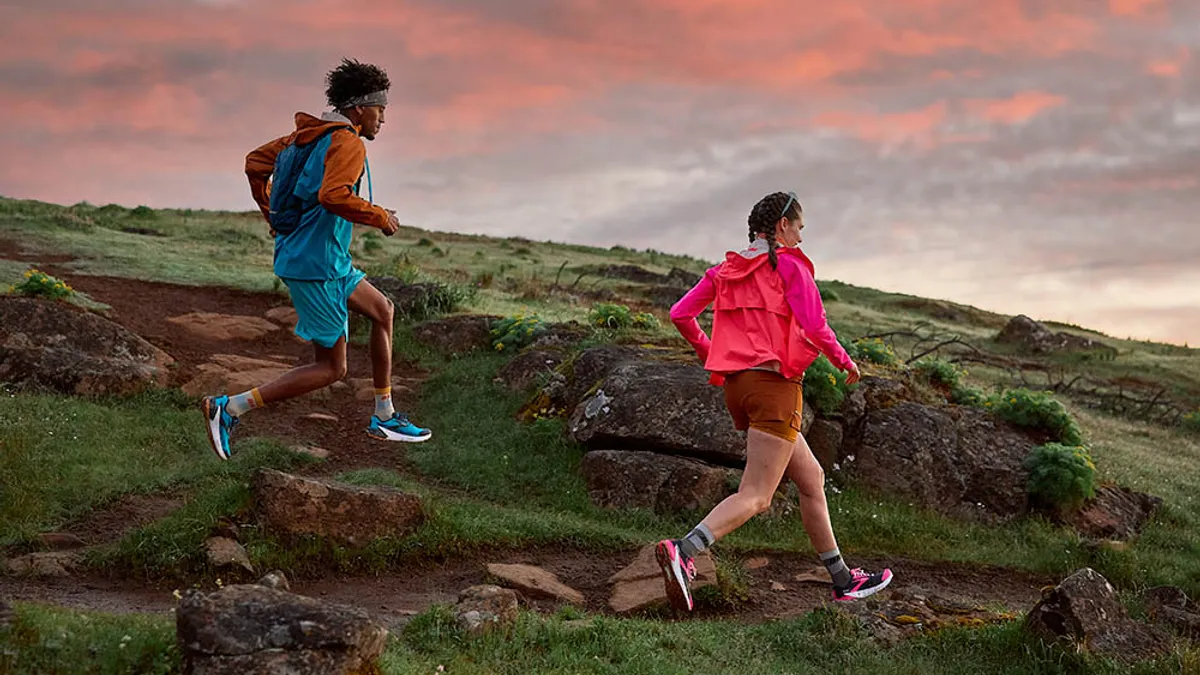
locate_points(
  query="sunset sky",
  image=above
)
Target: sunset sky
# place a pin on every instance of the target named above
(1023, 156)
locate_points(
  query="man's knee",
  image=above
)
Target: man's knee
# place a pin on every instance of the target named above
(387, 312)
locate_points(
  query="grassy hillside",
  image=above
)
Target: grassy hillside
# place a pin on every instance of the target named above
(493, 483)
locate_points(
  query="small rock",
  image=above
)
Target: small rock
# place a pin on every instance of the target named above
(60, 541)
(211, 326)
(6, 613)
(275, 579)
(284, 316)
(1085, 610)
(757, 563)
(535, 581)
(233, 373)
(53, 564)
(817, 575)
(223, 552)
(640, 584)
(485, 608)
(311, 451)
(776, 586)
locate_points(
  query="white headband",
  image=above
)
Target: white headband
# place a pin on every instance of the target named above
(374, 98)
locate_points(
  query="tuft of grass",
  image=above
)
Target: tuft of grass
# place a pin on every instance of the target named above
(55, 640)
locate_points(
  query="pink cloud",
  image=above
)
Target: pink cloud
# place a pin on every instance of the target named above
(1019, 108)
(1134, 7)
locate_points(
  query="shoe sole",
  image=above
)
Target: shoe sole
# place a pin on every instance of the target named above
(673, 578)
(867, 592)
(213, 426)
(398, 438)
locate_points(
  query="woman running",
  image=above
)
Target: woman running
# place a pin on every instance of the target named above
(768, 326)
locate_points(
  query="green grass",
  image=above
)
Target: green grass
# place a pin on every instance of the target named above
(45, 640)
(48, 640)
(64, 456)
(821, 642)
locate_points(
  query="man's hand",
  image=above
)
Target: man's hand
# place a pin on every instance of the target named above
(393, 224)
(852, 375)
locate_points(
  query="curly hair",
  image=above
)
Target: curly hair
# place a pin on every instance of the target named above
(353, 79)
(766, 213)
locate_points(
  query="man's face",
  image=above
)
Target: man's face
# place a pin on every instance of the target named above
(370, 120)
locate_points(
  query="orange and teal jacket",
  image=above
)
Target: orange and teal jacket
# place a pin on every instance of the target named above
(762, 317)
(320, 248)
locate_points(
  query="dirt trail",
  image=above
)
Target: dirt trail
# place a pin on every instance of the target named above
(395, 596)
(144, 307)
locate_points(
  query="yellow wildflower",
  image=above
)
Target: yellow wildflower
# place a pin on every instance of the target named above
(832, 379)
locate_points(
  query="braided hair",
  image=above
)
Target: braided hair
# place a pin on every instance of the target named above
(765, 214)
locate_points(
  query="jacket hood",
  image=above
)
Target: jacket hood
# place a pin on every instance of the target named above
(309, 128)
(741, 264)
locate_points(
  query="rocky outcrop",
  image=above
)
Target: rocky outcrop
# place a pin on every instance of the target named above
(256, 629)
(348, 514)
(56, 346)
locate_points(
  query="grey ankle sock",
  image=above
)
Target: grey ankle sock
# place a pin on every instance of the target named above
(837, 568)
(697, 540)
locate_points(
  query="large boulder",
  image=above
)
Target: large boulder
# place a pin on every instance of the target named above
(528, 367)
(1115, 513)
(348, 514)
(63, 348)
(561, 336)
(1085, 610)
(456, 334)
(667, 407)
(1170, 605)
(255, 629)
(960, 461)
(1038, 339)
(648, 480)
(824, 439)
(412, 301)
(571, 380)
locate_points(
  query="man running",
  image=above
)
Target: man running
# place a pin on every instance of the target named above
(311, 204)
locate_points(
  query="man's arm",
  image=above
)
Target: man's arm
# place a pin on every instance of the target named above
(260, 164)
(343, 166)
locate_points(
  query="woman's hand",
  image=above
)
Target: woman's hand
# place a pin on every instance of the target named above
(852, 375)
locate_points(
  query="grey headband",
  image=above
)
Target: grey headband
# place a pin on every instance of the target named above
(374, 98)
